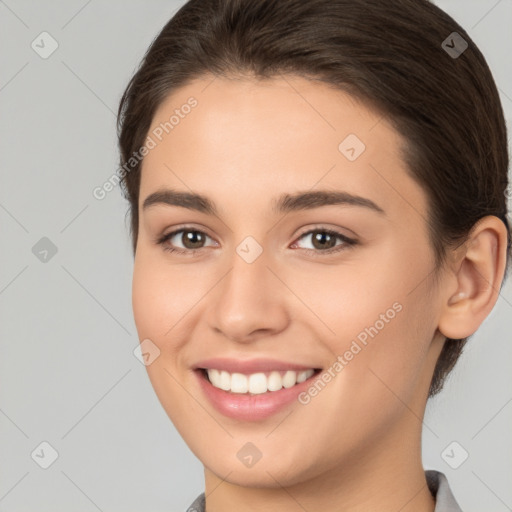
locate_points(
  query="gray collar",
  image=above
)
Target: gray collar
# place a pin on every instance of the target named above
(440, 489)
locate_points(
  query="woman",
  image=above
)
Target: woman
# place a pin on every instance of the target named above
(318, 217)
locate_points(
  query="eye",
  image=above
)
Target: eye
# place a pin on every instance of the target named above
(191, 239)
(324, 241)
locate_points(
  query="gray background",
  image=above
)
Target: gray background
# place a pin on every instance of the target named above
(68, 373)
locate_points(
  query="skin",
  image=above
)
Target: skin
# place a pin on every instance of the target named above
(357, 444)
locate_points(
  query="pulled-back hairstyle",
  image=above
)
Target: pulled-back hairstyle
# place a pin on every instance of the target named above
(391, 54)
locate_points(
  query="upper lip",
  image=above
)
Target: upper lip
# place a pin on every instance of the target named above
(248, 366)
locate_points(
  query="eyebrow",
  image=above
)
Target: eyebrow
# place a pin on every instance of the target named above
(283, 204)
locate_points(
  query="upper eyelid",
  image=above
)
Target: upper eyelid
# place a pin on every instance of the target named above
(325, 228)
(186, 228)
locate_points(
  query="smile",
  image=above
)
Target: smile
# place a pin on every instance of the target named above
(252, 390)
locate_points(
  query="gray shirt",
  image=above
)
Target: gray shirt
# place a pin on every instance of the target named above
(437, 483)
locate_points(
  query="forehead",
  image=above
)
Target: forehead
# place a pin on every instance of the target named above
(253, 137)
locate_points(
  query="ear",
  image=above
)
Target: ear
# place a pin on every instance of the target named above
(477, 278)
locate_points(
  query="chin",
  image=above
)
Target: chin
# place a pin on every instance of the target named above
(270, 473)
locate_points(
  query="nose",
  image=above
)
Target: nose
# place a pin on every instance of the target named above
(249, 302)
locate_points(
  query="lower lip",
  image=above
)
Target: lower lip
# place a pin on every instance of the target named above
(251, 407)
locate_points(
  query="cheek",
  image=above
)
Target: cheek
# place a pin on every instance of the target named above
(383, 328)
(146, 300)
(160, 304)
(161, 298)
(391, 368)
(159, 301)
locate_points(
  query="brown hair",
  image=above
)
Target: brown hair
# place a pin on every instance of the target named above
(392, 54)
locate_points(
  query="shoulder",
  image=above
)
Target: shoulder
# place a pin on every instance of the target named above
(198, 505)
(440, 489)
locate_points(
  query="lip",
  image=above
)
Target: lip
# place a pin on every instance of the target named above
(247, 407)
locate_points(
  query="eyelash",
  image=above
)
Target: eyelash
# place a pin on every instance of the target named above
(348, 243)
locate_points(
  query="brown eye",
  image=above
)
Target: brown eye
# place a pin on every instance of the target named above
(192, 239)
(323, 240)
(326, 241)
(184, 241)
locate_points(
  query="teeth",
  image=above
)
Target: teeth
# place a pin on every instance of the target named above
(256, 383)
(239, 383)
(225, 381)
(302, 376)
(289, 379)
(274, 381)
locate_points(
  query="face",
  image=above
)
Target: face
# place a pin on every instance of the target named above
(291, 306)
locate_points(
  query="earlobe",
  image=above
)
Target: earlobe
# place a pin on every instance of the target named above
(478, 279)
